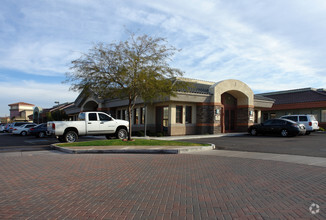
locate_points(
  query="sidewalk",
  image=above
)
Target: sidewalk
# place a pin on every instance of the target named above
(174, 138)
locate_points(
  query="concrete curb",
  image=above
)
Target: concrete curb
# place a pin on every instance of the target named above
(179, 150)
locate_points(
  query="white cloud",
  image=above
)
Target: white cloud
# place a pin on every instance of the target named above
(270, 45)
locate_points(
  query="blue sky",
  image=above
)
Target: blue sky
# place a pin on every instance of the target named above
(270, 45)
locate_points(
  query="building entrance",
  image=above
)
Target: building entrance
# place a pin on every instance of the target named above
(229, 113)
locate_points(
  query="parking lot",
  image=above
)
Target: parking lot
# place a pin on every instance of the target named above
(10, 142)
(308, 145)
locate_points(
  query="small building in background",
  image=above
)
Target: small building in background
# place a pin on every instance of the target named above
(297, 101)
(21, 111)
(4, 120)
(56, 113)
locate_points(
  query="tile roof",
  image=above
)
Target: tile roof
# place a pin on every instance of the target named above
(198, 88)
(21, 103)
(297, 96)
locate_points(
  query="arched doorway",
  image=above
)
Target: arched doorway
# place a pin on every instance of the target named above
(229, 112)
(90, 106)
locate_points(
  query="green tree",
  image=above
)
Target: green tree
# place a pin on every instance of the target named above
(136, 68)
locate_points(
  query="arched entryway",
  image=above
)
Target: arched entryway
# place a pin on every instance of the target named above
(229, 113)
(90, 106)
(233, 103)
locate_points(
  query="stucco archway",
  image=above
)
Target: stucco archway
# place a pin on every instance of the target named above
(90, 105)
(238, 89)
(236, 117)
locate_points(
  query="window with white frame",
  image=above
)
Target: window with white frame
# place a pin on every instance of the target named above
(323, 115)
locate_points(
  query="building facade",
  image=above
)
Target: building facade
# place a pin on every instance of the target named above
(57, 112)
(206, 108)
(21, 111)
(297, 101)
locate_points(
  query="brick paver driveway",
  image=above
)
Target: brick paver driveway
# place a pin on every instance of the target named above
(62, 186)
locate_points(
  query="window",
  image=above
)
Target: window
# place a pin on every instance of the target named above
(293, 118)
(179, 114)
(273, 115)
(142, 115)
(268, 122)
(124, 114)
(303, 118)
(278, 122)
(104, 117)
(323, 115)
(135, 116)
(119, 114)
(188, 114)
(165, 117)
(81, 116)
(92, 117)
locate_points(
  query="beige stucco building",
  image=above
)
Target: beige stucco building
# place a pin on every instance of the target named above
(21, 111)
(206, 108)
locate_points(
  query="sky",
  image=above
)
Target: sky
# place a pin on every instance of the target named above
(270, 45)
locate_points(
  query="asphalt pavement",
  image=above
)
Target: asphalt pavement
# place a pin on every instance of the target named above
(308, 145)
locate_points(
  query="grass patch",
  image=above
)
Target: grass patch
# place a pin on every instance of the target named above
(136, 142)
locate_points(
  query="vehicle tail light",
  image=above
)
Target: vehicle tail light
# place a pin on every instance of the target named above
(31, 129)
(295, 125)
(310, 123)
(53, 126)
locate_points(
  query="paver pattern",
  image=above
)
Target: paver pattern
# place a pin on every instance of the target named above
(126, 186)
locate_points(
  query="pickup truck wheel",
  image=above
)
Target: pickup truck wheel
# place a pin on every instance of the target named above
(70, 136)
(122, 133)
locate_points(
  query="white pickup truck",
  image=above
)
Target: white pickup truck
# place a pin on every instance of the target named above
(89, 123)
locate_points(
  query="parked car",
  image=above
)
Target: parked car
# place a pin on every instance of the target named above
(23, 129)
(309, 121)
(6, 129)
(2, 127)
(283, 127)
(16, 124)
(39, 130)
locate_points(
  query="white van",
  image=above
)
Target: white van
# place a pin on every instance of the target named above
(309, 121)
